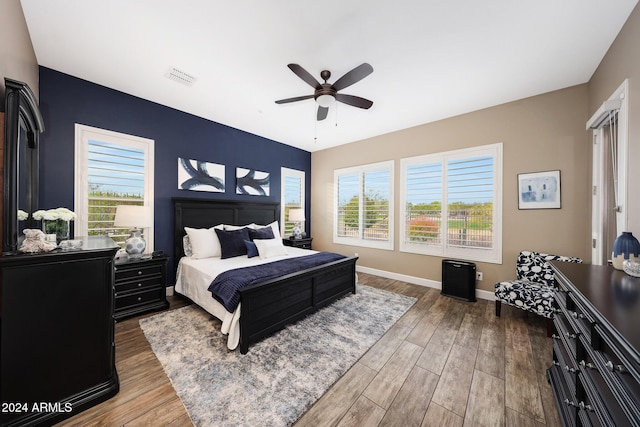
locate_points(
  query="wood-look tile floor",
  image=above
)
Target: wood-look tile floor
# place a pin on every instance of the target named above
(444, 363)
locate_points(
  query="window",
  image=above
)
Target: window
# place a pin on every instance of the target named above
(364, 205)
(111, 169)
(451, 204)
(292, 196)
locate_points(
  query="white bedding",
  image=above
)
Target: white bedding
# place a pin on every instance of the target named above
(195, 275)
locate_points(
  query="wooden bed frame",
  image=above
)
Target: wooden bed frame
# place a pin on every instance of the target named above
(266, 307)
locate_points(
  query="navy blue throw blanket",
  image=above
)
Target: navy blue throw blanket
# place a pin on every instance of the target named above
(224, 287)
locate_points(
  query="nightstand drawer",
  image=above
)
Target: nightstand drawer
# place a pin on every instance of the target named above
(143, 283)
(131, 272)
(139, 298)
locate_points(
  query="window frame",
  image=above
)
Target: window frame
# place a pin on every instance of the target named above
(387, 244)
(492, 255)
(85, 133)
(284, 173)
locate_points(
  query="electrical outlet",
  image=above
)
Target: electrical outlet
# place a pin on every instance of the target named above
(478, 275)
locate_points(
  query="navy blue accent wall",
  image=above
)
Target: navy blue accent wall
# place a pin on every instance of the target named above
(66, 100)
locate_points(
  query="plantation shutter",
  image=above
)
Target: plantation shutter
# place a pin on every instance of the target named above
(116, 175)
(349, 205)
(293, 197)
(376, 205)
(424, 204)
(470, 202)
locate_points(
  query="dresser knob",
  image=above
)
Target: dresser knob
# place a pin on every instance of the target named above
(585, 407)
(587, 365)
(568, 369)
(139, 298)
(139, 273)
(555, 336)
(613, 368)
(139, 284)
(569, 402)
(577, 315)
(570, 335)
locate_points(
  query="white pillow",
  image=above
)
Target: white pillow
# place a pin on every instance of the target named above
(268, 248)
(274, 226)
(204, 242)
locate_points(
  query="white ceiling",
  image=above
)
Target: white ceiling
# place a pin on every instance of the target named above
(431, 59)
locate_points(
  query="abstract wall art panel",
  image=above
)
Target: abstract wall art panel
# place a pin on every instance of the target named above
(253, 182)
(196, 175)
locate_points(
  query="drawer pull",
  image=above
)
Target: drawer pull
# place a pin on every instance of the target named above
(139, 298)
(555, 363)
(613, 368)
(587, 365)
(569, 402)
(577, 315)
(555, 336)
(570, 335)
(139, 273)
(585, 407)
(139, 284)
(568, 369)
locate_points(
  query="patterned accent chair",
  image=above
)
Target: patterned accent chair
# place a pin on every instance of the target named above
(534, 286)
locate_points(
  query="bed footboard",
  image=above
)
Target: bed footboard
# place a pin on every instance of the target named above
(269, 306)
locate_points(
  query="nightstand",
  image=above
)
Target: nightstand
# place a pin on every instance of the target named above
(140, 286)
(304, 243)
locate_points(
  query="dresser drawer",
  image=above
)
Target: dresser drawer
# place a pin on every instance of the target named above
(139, 298)
(619, 373)
(131, 272)
(566, 333)
(143, 283)
(563, 361)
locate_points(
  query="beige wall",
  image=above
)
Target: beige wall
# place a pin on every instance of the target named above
(622, 61)
(17, 59)
(545, 132)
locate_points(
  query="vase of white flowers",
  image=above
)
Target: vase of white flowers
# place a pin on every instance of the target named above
(56, 221)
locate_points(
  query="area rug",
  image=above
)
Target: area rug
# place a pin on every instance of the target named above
(281, 376)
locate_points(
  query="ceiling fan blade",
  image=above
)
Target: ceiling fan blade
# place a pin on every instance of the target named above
(322, 113)
(304, 75)
(355, 101)
(297, 98)
(353, 76)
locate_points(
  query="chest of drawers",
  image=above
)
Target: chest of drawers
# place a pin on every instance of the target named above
(595, 372)
(140, 286)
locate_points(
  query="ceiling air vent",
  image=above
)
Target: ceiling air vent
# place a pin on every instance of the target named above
(180, 77)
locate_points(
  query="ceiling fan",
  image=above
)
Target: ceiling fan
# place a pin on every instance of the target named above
(326, 94)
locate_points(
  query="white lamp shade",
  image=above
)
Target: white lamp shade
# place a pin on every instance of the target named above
(130, 216)
(296, 215)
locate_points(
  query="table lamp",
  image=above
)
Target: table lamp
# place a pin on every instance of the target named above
(296, 216)
(135, 218)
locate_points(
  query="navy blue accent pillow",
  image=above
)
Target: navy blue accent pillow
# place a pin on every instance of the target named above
(261, 233)
(232, 242)
(252, 249)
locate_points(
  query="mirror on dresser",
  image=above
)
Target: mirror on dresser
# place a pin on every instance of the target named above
(23, 125)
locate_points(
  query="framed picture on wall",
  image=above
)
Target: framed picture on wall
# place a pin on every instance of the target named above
(539, 190)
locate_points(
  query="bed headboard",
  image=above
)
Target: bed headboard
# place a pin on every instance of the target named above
(205, 213)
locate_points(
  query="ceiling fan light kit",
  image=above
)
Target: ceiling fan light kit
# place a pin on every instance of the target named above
(326, 94)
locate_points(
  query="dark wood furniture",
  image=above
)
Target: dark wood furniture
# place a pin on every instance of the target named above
(268, 306)
(595, 374)
(140, 286)
(57, 333)
(304, 243)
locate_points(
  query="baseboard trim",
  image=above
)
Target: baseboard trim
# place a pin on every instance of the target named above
(480, 293)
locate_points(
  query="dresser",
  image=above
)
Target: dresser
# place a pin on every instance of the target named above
(140, 286)
(57, 354)
(595, 372)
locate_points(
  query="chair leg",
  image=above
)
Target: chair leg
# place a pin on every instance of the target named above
(498, 307)
(549, 327)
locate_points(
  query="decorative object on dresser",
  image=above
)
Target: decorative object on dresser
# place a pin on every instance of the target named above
(140, 286)
(55, 223)
(534, 285)
(57, 332)
(133, 216)
(297, 216)
(304, 242)
(35, 242)
(595, 371)
(626, 246)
